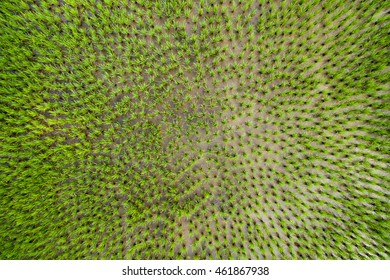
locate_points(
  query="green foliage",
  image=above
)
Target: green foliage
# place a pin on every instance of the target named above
(194, 129)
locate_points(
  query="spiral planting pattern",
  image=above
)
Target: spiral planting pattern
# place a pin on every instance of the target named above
(194, 129)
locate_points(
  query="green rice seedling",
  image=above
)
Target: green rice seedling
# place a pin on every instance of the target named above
(194, 129)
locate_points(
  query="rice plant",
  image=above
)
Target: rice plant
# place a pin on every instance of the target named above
(219, 129)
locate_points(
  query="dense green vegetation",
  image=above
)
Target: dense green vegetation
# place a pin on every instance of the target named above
(194, 129)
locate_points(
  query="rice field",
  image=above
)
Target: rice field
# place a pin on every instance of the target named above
(186, 129)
